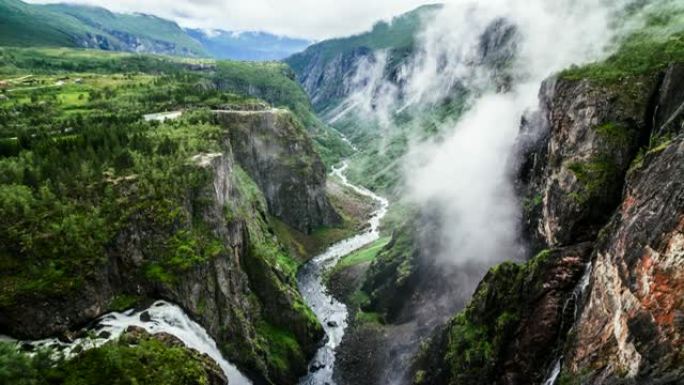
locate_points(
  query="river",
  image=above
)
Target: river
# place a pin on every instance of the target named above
(331, 313)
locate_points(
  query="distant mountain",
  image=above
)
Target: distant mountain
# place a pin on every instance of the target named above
(257, 46)
(134, 32)
(68, 25)
(64, 25)
(324, 69)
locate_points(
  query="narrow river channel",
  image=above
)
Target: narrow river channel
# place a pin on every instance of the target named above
(331, 313)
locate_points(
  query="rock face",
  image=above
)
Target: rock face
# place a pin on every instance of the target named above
(241, 293)
(279, 156)
(631, 329)
(626, 331)
(574, 175)
(669, 112)
(513, 326)
(601, 188)
(333, 70)
(327, 80)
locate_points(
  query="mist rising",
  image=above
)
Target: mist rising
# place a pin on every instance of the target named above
(499, 52)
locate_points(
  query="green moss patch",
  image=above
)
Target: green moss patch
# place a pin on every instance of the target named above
(116, 363)
(477, 335)
(597, 178)
(640, 54)
(281, 346)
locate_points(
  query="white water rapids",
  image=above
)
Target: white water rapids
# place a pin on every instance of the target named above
(164, 317)
(331, 313)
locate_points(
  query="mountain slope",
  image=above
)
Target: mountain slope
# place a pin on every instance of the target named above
(324, 68)
(134, 32)
(602, 199)
(253, 46)
(63, 25)
(24, 24)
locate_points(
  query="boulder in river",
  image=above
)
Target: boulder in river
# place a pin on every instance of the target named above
(316, 366)
(145, 317)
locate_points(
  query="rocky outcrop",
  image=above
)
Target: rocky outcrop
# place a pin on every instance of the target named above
(573, 177)
(276, 152)
(669, 108)
(627, 331)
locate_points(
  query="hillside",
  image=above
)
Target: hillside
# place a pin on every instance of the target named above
(133, 32)
(91, 27)
(70, 25)
(23, 24)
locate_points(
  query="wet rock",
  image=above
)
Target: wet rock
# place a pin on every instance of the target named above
(27, 347)
(316, 366)
(669, 110)
(135, 332)
(145, 317)
(332, 324)
(104, 334)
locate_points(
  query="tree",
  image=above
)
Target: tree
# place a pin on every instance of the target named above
(124, 161)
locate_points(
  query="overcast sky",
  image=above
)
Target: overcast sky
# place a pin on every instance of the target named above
(312, 19)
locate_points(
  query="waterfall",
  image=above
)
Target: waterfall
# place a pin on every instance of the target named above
(576, 299)
(553, 376)
(161, 317)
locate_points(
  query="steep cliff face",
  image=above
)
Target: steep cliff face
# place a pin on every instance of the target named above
(327, 70)
(509, 332)
(574, 175)
(277, 154)
(330, 81)
(631, 329)
(601, 188)
(241, 287)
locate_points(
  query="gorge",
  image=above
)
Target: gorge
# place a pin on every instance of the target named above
(504, 206)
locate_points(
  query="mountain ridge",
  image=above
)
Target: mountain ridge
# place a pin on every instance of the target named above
(86, 26)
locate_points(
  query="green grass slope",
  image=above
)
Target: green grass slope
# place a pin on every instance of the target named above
(138, 25)
(61, 25)
(24, 24)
